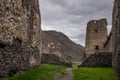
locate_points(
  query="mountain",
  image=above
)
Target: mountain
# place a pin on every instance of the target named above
(58, 43)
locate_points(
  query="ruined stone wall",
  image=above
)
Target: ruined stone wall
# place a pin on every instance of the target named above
(55, 59)
(20, 40)
(96, 35)
(116, 37)
(102, 59)
(108, 46)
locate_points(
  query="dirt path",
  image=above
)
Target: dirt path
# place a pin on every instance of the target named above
(68, 76)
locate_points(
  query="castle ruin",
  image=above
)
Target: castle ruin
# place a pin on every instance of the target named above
(20, 37)
(111, 45)
(96, 47)
(96, 35)
(116, 37)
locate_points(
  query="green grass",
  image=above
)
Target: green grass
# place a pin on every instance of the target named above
(94, 74)
(75, 65)
(44, 72)
(48, 72)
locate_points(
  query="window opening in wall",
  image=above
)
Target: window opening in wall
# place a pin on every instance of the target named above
(95, 31)
(97, 48)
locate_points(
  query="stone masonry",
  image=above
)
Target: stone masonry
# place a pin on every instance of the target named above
(97, 41)
(55, 59)
(108, 46)
(111, 49)
(20, 38)
(96, 35)
(102, 59)
(116, 37)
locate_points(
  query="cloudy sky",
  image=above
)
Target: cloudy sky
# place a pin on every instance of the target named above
(71, 16)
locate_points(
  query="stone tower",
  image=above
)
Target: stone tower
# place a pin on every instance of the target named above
(20, 37)
(96, 35)
(116, 37)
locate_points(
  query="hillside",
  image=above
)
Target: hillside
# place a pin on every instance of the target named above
(67, 47)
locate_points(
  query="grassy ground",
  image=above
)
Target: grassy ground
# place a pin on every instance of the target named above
(48, 72)
(44, 72)
(94, 74)
(75, 65)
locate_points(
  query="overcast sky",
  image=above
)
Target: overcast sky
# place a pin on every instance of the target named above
(71, 16)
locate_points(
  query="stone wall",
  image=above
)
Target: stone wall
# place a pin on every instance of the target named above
(20, 38)
(116, 37)
(108, 46)
(55, 59)
(96, 35)
(111, 48)
(102, 59)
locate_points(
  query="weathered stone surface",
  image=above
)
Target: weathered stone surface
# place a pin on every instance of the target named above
(108, 46)
(116, 37)
(20, 42)
(56, 59)
(96, 35)
(102, 59)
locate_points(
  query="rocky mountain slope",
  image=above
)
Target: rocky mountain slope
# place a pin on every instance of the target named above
(57, 42)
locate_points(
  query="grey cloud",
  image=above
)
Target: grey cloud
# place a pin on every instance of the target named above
(71, 16)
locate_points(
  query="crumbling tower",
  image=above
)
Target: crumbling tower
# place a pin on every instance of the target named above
(96, 35)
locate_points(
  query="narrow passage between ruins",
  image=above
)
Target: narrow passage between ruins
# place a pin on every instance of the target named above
(68, 75)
